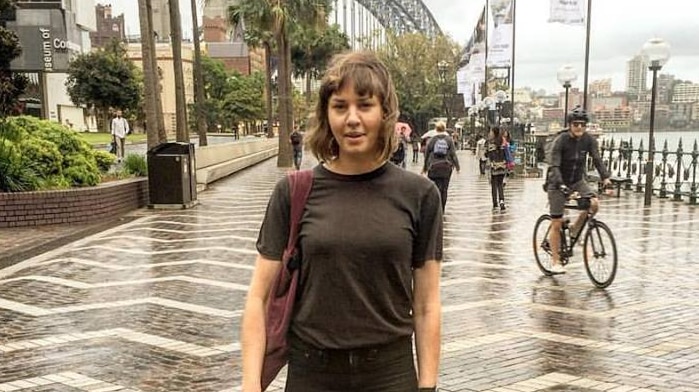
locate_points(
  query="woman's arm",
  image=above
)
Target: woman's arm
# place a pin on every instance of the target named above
(427, 310)
(253, 324)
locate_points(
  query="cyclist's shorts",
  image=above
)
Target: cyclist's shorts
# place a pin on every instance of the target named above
(557, 199)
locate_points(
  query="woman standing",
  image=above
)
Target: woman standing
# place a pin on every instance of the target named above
(495, 151)
(371, 246)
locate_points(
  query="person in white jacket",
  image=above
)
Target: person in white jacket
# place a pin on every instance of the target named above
(120, 128)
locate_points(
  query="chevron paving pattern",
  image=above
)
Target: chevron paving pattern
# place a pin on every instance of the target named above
(155, 304)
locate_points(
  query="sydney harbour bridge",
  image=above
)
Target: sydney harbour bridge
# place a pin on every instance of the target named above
(366, 21)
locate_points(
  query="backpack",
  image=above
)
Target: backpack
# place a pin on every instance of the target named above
(399, 155)
(548, 147)
(440, 148)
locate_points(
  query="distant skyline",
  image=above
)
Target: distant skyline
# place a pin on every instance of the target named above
(619, 30)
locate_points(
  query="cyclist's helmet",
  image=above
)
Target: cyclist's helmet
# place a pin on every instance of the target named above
(578, 114)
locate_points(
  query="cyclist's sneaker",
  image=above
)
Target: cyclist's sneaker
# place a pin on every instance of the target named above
(502, 205)
(558, 269)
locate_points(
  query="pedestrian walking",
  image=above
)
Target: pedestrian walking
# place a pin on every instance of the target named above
(415, 144)
(441, 160)
(480, 154)
(296, 140)
(119, 129)
(370, 243)
(398, 157)
(497, 159)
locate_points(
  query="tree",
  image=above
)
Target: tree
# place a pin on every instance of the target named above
(412, 61)
(11, 85)
(256, 16)
(151, 85)
(176, 44)
(288, 14)
(200, 123)
(312, 50)
(106, 79)
(243, 101)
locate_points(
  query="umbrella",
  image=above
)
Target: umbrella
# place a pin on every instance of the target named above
(401, 125)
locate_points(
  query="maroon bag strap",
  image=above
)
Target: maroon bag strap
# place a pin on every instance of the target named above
(300, 183)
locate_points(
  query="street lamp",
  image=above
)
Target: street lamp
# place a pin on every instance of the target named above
(657, 52)
(500, 97)
(442, 67)
(566, 76)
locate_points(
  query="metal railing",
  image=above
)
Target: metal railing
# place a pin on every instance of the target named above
(674, 172)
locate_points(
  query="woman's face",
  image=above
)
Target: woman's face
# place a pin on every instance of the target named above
(356, 123)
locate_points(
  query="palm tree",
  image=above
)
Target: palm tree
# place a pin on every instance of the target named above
(176, 43)
(313, 50)
(198, 78)
(149, 74)
(258, 23)
(287, 14)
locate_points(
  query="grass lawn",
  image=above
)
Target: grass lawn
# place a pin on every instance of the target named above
(105, 138)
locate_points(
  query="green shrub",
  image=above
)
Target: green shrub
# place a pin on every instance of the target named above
(81, 170)
(104, 160)
(15, 175)
(44, 155)
(54, 182)
(136, 165)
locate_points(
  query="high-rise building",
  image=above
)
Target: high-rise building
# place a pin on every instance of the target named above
(108, 26)
(601, 88)
(636, 75)
(665, 85)
(161, 20)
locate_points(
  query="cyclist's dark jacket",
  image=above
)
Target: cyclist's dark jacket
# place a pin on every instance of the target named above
(569, 157)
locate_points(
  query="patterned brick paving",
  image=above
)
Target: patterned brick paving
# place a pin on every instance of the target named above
(155, 304)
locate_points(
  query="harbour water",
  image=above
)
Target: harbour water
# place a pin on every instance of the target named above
(688, 138)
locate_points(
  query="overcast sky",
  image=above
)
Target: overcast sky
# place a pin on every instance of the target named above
(619, 30)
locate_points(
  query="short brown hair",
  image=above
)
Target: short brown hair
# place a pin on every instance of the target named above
(370, 78)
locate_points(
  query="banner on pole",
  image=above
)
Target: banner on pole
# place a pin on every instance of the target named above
(570, 12)
(500, 48)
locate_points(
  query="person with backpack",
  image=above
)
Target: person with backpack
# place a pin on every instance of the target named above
(496, 152)
(440, 160)
(567, 160)
(296, 140)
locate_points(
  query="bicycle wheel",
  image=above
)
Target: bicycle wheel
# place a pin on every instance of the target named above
(541, 246)
(599, 254)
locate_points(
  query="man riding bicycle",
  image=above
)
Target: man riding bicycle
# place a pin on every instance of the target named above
(567, 167)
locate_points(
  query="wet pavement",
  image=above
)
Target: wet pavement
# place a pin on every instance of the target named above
(155, 304)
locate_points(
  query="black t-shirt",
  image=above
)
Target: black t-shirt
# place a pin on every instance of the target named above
(360, 238)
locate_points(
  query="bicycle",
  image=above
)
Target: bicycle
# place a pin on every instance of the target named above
(598, 245)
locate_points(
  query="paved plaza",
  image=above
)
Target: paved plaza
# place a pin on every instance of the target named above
(155, 304)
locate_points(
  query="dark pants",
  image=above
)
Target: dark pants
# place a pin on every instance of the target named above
(496, 182)
(298, 154)
(481, 165)
(388, 368)
(416, 154)
(443, 186)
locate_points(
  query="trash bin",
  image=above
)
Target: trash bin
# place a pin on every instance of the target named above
(172, 179)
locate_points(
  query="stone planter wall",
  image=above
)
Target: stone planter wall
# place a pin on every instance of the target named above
(72, 205)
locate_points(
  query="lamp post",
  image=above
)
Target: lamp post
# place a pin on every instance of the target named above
(500, 97)
(566, 76)
(657, 51)
(442, 67)
(488, 103)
